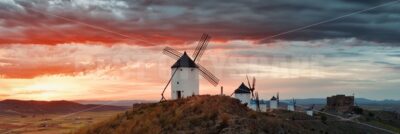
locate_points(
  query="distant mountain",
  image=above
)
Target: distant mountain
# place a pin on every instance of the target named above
(359, 101)
(21, 107)
(207, 114)
(114, 102)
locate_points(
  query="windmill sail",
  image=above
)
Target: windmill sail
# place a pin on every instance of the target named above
(208, 75)
(248, 81)
(172, 53)
(201, 47)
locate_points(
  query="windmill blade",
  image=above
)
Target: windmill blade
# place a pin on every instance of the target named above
(196, 51)
(294, 102)
(201, 47)
(258, 103)
(248, 81)
(169, 81)
(208, 75)
(254, 84)
(172, 53)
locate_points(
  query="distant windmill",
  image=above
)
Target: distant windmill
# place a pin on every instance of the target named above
(252, 87)
(185, 82)
(292, 105)
(310, 110)
(245, 93)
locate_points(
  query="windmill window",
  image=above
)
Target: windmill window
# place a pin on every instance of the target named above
(181, 69)
(191, 69)
(177, 82)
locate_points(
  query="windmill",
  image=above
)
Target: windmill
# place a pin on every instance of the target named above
(185, 82)
(310, 110)
(252, 87)
(292, 105)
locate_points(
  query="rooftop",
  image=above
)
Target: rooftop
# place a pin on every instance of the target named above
(242, 89)
(184, 61)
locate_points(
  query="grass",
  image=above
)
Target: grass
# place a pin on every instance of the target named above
(45, 124)
(215, 114)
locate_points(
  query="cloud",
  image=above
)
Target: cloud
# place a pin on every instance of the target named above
(4, 95)
(180, 22)
(124, 70)
(29, 61)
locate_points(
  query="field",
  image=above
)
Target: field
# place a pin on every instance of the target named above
(51, 123)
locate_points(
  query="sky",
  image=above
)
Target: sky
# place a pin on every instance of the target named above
(112, 49)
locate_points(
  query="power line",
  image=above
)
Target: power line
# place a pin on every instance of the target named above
(94, 27)
(330, 20)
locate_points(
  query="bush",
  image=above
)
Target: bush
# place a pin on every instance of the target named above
(324, 118)
(358, 110)
(370, 114)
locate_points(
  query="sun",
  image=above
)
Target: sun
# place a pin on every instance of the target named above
(49, 88)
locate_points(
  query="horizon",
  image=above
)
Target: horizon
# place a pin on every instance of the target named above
(111, 50)
(155, 100)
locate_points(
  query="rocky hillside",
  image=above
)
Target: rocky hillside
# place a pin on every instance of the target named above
(215, 114)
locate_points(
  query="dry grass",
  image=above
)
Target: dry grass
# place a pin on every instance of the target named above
(211, 114)
(48, 124)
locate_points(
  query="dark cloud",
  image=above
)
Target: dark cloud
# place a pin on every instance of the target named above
(394, 55)
(183, 21)
(341, 54)
(389, 65)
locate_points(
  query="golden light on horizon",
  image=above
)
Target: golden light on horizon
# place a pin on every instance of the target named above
(47, 88)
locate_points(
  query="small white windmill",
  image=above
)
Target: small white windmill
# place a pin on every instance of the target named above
(292, 105)
(185, 72)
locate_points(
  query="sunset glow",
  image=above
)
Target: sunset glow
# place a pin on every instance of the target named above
(112, 50)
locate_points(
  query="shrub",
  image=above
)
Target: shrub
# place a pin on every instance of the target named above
(358, 110)
(370, 114)
(324, 118)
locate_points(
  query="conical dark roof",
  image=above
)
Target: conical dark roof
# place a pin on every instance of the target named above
(273, 98)
(242, 89)
(184, 61)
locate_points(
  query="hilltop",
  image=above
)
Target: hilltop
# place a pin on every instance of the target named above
(216, 114)
(22, 107)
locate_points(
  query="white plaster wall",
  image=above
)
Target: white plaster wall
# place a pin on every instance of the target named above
(263, 107)
(188, 79)
(290, 107)
(273, 104)
(310, 112)
(243, 97)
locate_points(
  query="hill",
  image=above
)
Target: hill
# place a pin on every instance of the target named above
(114, 102)
(216, 114)
(359, 101)
(20, 107)
(380, 105)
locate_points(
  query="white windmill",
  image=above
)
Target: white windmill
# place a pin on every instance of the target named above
(292, 105)
(185, 72)
(245, 93)
(310, 110)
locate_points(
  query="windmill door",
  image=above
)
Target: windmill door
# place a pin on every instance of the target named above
(179, 94)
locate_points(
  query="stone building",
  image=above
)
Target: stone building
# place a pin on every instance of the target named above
(340, 103)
